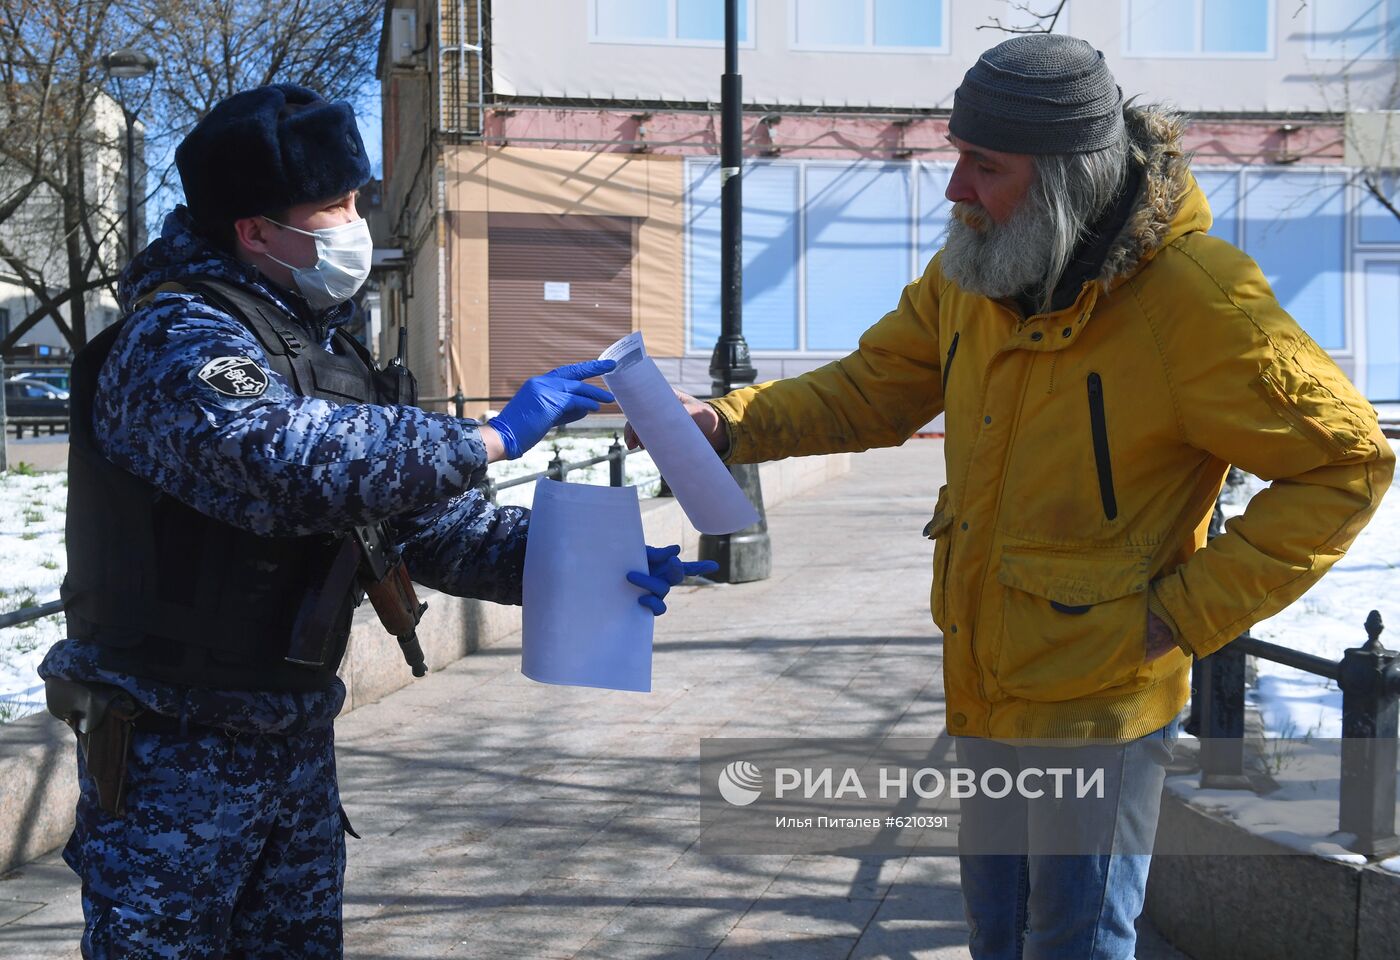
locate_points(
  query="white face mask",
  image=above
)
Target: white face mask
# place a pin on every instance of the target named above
(343, 256)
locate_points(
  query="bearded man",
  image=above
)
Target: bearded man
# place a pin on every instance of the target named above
(1100, 361)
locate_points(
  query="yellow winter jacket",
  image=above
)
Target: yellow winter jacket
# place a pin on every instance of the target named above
(1085, 449)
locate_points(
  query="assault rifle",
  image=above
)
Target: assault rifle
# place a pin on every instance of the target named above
(367, 555)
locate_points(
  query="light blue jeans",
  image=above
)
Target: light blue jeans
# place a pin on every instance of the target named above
(1046, 879)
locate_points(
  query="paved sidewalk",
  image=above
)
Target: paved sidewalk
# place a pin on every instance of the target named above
(507, 819)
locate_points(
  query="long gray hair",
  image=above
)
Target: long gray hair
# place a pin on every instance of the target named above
(1074, 190)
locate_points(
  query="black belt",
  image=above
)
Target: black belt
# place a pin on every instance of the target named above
(149, 722)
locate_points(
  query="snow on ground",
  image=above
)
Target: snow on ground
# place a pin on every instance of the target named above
(640, 472)
(32, 559)
(32, 562)
(1301, 814)
(1326, 621)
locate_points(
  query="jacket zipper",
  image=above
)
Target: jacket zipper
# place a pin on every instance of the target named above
(1099, 425)
(948, 364)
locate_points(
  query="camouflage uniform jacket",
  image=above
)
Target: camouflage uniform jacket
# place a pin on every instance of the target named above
(280, 464)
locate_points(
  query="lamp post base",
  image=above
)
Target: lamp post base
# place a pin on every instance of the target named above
(746, 555)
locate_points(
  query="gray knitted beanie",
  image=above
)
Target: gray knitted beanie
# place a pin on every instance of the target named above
(1039, 93)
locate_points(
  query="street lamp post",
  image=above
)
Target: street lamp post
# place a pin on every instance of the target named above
(745, 555)
(125, 64)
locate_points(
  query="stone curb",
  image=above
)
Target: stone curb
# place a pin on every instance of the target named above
(1262, 901)
(38, 790)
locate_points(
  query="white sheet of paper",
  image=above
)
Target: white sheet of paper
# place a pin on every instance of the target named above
(582, 624)
(702, 484)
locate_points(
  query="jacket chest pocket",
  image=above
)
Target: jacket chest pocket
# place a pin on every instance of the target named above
(940, 531)
(1072, 624)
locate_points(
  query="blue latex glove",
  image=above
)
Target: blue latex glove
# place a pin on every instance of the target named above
(665, 570)
(548, 400)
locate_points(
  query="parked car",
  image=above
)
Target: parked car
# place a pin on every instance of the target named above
(56, 378)
(34, 398)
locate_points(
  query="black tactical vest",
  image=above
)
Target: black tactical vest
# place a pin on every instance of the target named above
(172, 594)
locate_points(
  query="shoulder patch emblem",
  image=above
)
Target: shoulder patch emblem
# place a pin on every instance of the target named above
(235, 377)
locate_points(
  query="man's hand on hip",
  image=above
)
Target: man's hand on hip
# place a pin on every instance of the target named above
(1160, 641)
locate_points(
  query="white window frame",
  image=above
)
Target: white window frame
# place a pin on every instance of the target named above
(1360, 358)
(801, 352)
(869, 46)
(1353, 253)
(1362, 195)
(670, 40)
(1198, 38)
(1313, 52)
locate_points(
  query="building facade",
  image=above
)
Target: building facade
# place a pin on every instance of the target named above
(552, 175)
(36, 232)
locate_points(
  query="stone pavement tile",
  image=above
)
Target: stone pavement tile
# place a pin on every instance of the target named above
(386, 942)
(865, 878)
(598, 949)
(552, 843)
(12, 910)
(809, 915)
(551, 811)
(467, 884)
(912, 940)
(630, 848)
(943, 869)
(695, 874)
(747, 944)
(49, 931)
(562, 915)
(921, 902)
(701, 921)
(615, 777)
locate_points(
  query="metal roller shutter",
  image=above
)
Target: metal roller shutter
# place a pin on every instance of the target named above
(560, 291)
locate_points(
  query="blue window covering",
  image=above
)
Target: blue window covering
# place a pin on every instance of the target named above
(1161, 26)
(858, 248)
(1235, 26)
(704, 20)
(1379, 225)
(1346, 29)
(1295, 228)
(1222, 190)
(770, 255)
(633, 19)
(934, 208)
(1382, 293)
(1170, 26)
(830, 23)
(908, 23)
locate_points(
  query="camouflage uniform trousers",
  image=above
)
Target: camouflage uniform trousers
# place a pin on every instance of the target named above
(230, 847)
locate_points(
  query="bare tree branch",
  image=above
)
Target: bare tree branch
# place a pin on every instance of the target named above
(1044, 22)
(62, 206)
(1373, 186)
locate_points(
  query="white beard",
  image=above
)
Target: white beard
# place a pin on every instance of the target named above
(998, 259)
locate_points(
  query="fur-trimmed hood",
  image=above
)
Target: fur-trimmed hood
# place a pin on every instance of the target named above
(1169, 203)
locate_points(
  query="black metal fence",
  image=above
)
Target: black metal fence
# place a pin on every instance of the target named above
(1369, 678)
(35, 424)
(616, 458)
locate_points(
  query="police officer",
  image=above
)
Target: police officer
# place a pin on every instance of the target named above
(226, 436)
